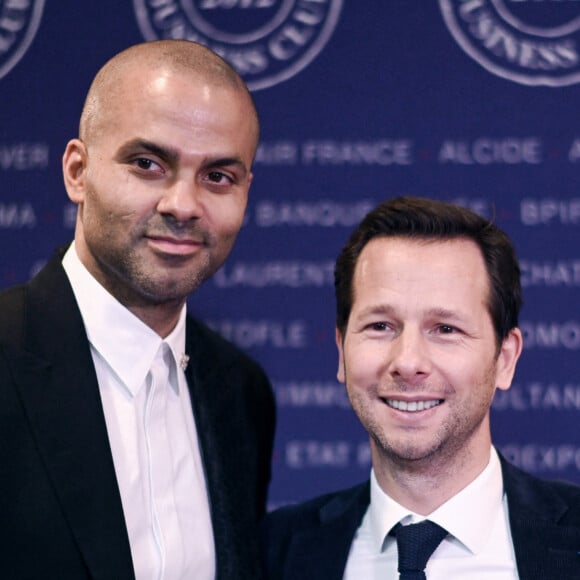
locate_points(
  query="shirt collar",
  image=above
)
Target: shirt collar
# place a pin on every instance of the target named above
(126, 343)
(477, 502)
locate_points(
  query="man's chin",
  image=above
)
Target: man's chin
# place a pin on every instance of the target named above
(168, 291)
(407, 453)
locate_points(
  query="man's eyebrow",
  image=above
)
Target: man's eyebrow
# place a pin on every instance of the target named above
(443, 313)
(226, 162)
(388, 310)
(377, 310)
(135, 145)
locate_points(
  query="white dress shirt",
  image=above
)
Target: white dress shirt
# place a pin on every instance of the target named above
(152, 435)
(479, 545)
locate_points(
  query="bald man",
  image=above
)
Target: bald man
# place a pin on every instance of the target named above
(136, 443)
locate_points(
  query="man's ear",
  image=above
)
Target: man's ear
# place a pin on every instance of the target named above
(340, 375)
(74, 167)
(509, 354)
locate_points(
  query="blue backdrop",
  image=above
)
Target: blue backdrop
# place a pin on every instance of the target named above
(474, 101)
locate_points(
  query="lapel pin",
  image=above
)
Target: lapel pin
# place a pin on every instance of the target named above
(183, 360)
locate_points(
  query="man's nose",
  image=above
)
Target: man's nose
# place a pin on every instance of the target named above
(409, 354)
(183, 200)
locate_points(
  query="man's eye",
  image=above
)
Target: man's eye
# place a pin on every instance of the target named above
(145, 164)
(218, 177)
(378, 326)
(446, 329)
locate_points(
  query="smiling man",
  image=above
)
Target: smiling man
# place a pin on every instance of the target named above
(136, 443)
(428, 297)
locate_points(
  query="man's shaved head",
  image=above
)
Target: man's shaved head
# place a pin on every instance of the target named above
(167, 56)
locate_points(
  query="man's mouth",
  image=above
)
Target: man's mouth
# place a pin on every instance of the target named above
(174, 245)
(412, 406)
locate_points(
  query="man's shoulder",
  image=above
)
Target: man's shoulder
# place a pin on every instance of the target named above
(312, 539)
(11, 314)
(537, 495)
(51, 274)
(45, 295)
(203, 339)
(321, 509)
(12, 297)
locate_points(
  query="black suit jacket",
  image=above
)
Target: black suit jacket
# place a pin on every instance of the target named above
(311, 541)
(60, 509)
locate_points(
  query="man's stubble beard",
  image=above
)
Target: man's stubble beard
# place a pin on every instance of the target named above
(447, 444)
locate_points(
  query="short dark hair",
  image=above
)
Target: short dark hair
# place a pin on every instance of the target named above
(430, 220)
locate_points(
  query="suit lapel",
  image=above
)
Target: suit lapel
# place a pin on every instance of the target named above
(545, 545)
(60, 395)
(217, 410)
(325, 549)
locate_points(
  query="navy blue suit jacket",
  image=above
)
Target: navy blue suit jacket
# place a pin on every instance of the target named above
(60, 508)
(311, 541)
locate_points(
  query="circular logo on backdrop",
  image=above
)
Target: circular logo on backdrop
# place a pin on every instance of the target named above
(532, 42)
(267, 41)
(18, 25)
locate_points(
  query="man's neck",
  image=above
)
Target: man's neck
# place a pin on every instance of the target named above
(423, 486)
(161, 318)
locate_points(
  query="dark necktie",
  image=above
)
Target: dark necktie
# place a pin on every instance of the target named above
(416, 543)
